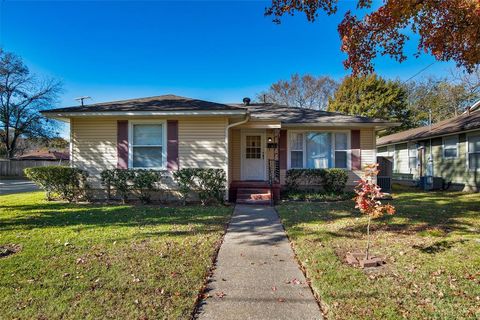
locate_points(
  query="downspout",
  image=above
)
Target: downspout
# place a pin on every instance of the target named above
(227, 128)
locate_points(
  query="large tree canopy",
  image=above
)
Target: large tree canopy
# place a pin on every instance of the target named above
(372, 96)
(447, 29)
(304, 91)
(22, 96)
(437, 99)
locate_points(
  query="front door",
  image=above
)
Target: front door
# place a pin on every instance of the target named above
(253, 157)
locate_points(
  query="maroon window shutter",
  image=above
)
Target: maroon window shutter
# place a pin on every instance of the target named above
(122, 144)
(172, 145)
(356, 156)
(282, 149)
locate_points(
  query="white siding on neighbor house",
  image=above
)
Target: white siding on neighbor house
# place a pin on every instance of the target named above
(201, 143)
(400, 156)
(401, 159)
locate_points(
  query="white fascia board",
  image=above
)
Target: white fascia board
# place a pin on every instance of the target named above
(143, 113)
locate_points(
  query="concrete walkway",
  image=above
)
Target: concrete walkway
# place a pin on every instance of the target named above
(256, 275)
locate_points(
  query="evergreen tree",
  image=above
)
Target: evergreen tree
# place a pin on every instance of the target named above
(375, 97)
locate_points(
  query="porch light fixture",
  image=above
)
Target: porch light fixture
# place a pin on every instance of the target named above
(269, 139)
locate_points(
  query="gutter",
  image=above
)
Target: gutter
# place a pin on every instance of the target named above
(227, 128)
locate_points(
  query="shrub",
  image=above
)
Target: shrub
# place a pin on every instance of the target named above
(126, 180)
(334, 180)
(297, 177)
(185, 180)
(208, 183)
(211, 183)
(120, 179)
(59, 181)
(107, 177)
(144, 181)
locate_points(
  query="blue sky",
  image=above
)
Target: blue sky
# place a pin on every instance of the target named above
(218, 50)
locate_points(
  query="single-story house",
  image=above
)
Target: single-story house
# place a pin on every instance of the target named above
(254, 143)
(45, 155)
(449, 149)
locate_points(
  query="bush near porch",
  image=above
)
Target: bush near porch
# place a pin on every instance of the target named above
(104, 261)
(316, 185)
(431, 245)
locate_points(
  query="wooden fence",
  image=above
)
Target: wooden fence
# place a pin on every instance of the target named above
(14, 168)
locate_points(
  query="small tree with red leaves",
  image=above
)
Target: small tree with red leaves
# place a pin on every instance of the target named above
(367, 199)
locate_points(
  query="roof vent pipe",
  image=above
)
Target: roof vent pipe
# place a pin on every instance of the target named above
(246, 101)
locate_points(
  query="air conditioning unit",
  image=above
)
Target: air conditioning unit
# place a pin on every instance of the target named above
(429, 183)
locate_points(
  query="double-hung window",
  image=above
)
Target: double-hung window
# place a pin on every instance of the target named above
(147, 147)
(474, 152)
(450, 149)
(412, 157)
(296, 150)
(318, 149)
(341, 150)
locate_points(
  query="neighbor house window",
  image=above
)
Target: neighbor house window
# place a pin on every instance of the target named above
(147, 145)
(317, 150)
(412, 156)
(474, 152)
(450, 147)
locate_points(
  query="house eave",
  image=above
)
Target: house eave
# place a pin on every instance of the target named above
(66, 115)
(376, 125)
(390, 143)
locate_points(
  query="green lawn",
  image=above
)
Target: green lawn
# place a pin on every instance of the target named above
(432, 246)
(104, 261)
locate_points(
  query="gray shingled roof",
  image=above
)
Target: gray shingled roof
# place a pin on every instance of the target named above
(167, 102)
(461, 123)
(263, 111)
(290, 115)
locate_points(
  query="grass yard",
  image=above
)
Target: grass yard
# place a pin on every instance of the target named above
(432, 247)
(97, 261)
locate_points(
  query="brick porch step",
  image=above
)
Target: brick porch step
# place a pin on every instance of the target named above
(254, 196)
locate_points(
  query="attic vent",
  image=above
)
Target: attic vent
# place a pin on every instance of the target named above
(246, 101)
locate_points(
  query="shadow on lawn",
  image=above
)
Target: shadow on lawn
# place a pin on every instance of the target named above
(439, 246)
(435, 213)
(43, 215)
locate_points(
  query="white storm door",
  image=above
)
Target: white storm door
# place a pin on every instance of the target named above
(253, 157)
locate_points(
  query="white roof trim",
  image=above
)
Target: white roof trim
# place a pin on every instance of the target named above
(144, 113)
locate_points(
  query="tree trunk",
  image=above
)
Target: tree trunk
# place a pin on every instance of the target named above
(367, 251)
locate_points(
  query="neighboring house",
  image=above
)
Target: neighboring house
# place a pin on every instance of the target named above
(15, 167)
(253, 143)
(449, 149)
(47, 155)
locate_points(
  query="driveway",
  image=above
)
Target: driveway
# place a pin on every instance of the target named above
(16, 186)
(256, 275)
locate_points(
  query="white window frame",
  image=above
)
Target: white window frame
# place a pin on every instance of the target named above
(305, 132)
(443, 146)
(468, 151)
(292, 150)
(409, 145)
(131, 123)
